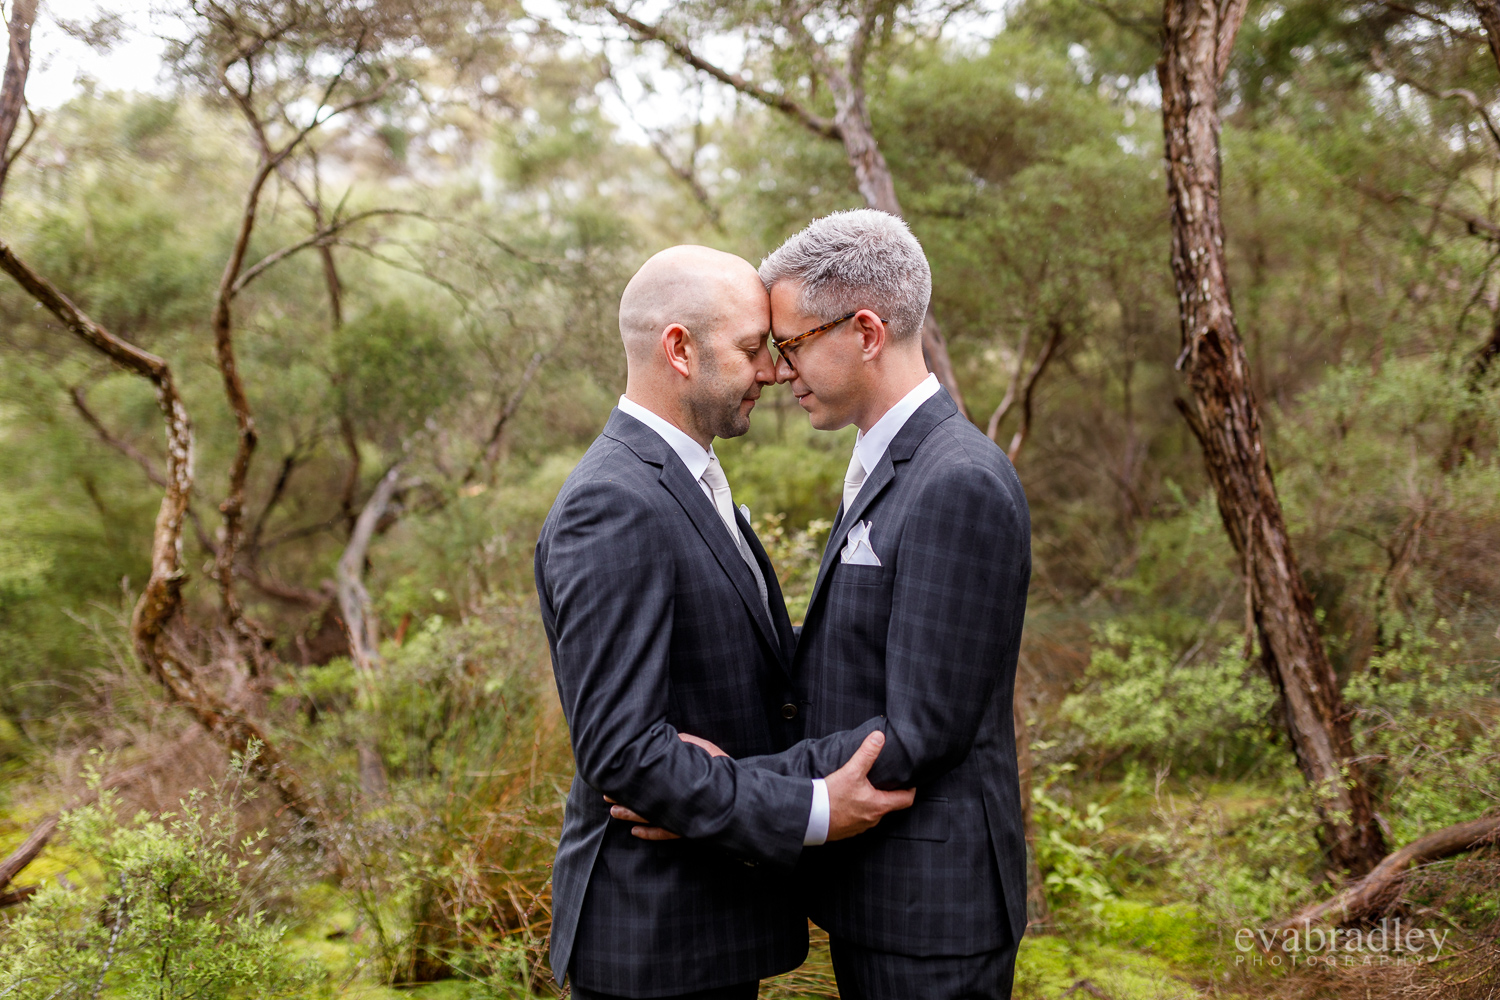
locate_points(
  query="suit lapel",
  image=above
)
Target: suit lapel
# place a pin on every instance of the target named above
(781, 621)
(674, 476)
(927, 416)
(650, 448)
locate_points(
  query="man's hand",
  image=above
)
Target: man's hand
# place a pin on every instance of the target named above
(698, 741)
(643, 828)
(855, 805)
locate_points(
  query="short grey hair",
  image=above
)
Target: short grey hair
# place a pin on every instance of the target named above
(860, 259)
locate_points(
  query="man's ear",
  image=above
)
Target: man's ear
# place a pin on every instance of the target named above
(675, 342)
(871, 333)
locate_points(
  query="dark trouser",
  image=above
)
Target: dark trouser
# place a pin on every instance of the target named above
(740, 991)
(868, 974)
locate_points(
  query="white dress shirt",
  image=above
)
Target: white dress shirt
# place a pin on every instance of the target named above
(869, 447)
(696, 458)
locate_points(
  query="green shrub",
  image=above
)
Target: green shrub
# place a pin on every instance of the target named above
(1196, 711)
(162, 911)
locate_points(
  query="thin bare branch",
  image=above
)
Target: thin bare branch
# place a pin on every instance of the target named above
(1367, 896)
(354, 600)
(491, 450)
(130, 451)
(1378, 60)
(781, 102)
(319, 238)
(1477, 225)
(1054, 338)
(1422, 15)
(28, 851)
(1009, 399)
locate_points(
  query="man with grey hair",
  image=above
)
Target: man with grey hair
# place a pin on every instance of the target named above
(913, 628)
(664, 617)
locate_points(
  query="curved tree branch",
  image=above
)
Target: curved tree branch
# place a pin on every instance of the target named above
(152, 622)
(648, 32)
(1369, 895)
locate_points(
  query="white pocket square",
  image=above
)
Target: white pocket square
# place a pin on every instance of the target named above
(857, 550)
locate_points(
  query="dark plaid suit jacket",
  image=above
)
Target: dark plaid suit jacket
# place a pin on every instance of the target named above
(923, 646)
(656, 626)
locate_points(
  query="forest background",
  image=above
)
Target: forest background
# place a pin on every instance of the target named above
(300, 341)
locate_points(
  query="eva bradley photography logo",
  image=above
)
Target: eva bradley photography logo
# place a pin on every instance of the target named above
(1389, 943)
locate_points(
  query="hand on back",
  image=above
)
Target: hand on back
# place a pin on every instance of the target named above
(854, 805)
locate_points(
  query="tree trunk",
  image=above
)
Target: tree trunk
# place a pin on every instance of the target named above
(873, 177)
(354, 600)
(13, 87)
(1197, 38)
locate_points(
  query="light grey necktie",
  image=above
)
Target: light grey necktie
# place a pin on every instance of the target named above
(718, 485)
(853, 480)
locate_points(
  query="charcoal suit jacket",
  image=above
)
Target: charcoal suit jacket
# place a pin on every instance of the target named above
(656, 626)
(924, 647)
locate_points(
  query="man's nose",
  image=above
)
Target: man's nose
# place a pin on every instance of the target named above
(765, 368)
(784, 370)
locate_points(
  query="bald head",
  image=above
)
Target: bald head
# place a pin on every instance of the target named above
(695, 322)
(695, 287)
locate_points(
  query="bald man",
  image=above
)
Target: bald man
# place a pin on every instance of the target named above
(664, 617)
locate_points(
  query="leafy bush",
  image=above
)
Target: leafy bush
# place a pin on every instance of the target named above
(449, 865)
(163, 910)
(1186, 709)
(1072, 867)
(1430, 717)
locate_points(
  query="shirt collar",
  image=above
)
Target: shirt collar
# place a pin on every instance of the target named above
(868, 447)
(693, 454)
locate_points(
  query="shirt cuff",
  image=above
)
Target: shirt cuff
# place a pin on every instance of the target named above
(817, 820)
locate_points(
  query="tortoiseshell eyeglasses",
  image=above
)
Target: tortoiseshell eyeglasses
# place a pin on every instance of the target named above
(785, 347)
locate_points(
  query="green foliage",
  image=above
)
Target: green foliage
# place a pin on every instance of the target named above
(393, 367)
(1200, 708)
(1072, 868)
(449, 860)
(163, 910)
(1431, 717)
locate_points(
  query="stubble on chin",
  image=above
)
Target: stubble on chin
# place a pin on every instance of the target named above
(717, 416)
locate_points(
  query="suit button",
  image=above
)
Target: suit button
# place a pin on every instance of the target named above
(788, 711)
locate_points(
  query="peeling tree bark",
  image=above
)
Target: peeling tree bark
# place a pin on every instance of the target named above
(1197, 38)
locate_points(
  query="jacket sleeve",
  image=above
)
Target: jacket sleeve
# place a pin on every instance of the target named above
(963, 568)
(609, 582)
